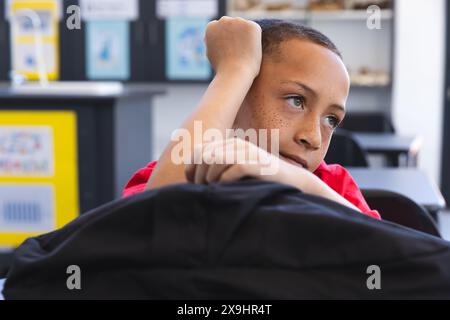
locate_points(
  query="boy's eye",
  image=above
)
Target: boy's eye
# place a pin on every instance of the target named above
(296, 102)
(333, 121)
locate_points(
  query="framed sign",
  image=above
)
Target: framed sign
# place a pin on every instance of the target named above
(38, 173)
(185, 49)
(35, 38)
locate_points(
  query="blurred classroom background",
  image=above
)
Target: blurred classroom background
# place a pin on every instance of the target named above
(91, 90)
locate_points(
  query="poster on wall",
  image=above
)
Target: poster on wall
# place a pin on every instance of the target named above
(38, 173)
(107, 50)
(26, 151)
(185, 49)
(34, 38)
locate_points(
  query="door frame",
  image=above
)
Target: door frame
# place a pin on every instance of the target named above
(445, 164)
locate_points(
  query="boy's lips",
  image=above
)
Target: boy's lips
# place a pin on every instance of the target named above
(295, 160)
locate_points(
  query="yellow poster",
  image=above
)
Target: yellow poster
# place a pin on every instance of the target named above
(35, 39)
(38, 173)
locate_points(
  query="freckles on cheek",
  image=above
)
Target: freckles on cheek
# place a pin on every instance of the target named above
(268, 118)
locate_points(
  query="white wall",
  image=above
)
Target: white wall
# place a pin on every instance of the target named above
(170, 111)
(417, 98)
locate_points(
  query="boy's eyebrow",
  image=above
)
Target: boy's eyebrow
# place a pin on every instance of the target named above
(301, 85)
(339, 107)
(312, 92)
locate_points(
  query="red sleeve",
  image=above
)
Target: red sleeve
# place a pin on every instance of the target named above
(333, 175)
(340, 180)
(139, 179)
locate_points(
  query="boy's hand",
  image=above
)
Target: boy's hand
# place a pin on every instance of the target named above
(234, 158)
(255, 161)
(234, 45)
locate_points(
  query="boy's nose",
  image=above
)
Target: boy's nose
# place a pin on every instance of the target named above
(310, 135)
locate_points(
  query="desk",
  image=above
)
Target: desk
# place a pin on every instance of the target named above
(391, 145)
(410, 182)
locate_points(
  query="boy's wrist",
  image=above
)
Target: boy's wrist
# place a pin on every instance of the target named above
(307, 182)
(241, 71)
(296, 177)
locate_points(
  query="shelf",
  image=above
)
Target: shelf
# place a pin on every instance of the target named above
(369, 86)
(263, 14)
(338, 15)
(347, 15)
(371, 79)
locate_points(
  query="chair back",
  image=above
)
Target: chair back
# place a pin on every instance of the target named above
(345, 150)
(367, 122)
(400, 209)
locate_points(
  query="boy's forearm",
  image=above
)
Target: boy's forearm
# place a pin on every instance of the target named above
(309, 183)
(217, 109)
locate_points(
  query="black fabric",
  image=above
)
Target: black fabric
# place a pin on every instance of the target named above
(248, 239)
(400, 209)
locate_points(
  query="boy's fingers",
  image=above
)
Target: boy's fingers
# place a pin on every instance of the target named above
(217, 159)
(200, 173)
(189, 172)
(205, 155)
(212, 159)
(215, 171)
(189, 169)
(233, 173)
(237, 152)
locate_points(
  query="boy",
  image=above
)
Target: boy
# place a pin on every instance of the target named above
(269, 74)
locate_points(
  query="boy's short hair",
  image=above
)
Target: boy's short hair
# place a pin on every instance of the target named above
(275, 31)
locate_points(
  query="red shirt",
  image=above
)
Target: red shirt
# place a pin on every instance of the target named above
(333, 175)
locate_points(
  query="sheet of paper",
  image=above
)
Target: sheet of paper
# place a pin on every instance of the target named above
(185, 49)
(186, 8)
(26, 59)
(107, 50)
(109, 9)
(27, 208)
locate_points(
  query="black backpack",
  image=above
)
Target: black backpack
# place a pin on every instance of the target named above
(244, 240)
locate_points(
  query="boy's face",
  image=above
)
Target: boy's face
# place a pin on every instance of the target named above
(300, 90)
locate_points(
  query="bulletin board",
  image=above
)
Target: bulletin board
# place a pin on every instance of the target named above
(149, 58)
(38, 173)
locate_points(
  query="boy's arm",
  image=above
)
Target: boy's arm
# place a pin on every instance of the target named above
(310, 183)
(235, 52)
(280, 170)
